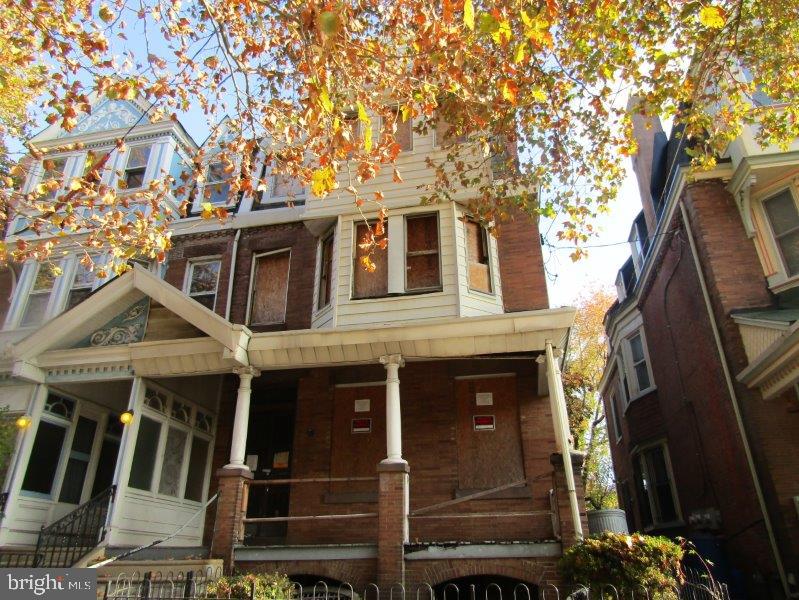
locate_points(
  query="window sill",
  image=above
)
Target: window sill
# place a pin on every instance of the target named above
(784, 284)
(327, 308)
(396, 296)
(491, 295)
(640, 395)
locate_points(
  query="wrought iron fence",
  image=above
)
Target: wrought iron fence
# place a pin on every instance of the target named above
(193, 585)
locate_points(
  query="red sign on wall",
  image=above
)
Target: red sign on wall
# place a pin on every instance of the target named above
(361, 425)
(483, 422)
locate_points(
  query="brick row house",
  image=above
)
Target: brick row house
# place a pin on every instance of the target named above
(700, 387)
(396, 426)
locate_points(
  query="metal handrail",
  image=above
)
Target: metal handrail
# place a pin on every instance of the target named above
(70, 538)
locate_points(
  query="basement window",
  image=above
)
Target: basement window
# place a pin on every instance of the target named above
(479, 261)
(269, 288)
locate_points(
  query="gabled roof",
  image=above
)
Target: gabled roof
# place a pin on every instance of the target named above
(69, 328)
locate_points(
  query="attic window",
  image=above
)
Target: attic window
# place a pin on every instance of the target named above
(136, 166)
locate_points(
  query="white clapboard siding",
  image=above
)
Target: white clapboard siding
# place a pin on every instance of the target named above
(144, 518)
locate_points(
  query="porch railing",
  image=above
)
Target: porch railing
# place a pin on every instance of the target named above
(65, 542)
(266, 483)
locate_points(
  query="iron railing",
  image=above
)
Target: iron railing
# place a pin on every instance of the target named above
(65, 542)
(194, 585)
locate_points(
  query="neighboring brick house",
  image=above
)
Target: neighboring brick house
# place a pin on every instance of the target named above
(261, 362)
(700, 385)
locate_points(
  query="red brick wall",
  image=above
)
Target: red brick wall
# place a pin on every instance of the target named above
(325, 446)
(692, 409)
(254, 240)
(521, 264)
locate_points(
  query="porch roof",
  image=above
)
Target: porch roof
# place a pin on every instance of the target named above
(773, 354)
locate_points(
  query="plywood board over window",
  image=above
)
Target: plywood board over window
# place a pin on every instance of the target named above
(403, 134)
(478, 257)
(369, 284)
(269, 288)
(422, 265)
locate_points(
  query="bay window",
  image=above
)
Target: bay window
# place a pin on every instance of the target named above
(217, 185)
(39, 297)
(53, 171)
(325, 271)
(783, 217)
(422, 265)
(82, 284)
(135, 167)
(478, 257)
(637, 363)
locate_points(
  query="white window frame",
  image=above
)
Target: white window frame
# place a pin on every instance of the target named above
(769, 236)
(485, 236)
(400, 122)
(190, 271)
(254, 262)
(330, 235)
(148, 168)
(440, 286)
(167, 421)
(629, 368)
(268, 197)
(637, 456)
(613, 397)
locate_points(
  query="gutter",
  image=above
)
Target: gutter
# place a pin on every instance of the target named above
(231, 273)
(735, 402)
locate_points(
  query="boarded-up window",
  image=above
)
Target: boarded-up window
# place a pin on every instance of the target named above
(478, 257)
(270, 279)
(403, 134)
(445, 133)
(422, 266)
(325, 271)
(369, 284)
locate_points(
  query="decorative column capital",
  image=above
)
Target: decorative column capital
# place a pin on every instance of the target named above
(247, 372)
(392, 359)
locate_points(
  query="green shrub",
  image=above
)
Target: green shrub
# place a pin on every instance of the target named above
(268, 586)
(627, 562)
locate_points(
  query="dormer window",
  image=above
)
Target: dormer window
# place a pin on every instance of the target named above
(38, 298)
(217, 184)
(54, 170)
(136, 167)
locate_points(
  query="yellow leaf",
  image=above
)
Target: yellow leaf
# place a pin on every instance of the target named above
(503, 34)
(519, 56)
(208, 210)
(406, 113)
(75, 185)
(323, 181)
(538, 94)
(509, 89)
(362, 116)
(712, 17)
(468, 14)
(324, 100)
(367, 138)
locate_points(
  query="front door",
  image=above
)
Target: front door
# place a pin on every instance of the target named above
(269, 446)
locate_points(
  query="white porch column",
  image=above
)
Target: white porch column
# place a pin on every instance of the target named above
(238, 446)
(392, 363)
(560, 420)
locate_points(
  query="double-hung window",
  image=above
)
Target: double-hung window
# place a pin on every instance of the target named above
(53, 171)
(269, 284)
(478, 257)
(325, 271)
(217, 184)
(170, 457)
(82, 284)
(637, 360)
(784, 220)
(202, 281)
(38, 298)
(655, 486)
(135, 167)
(422, 264)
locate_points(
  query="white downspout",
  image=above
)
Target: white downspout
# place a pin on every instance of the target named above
(231, 273)
(560, 417)
(735, 405)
